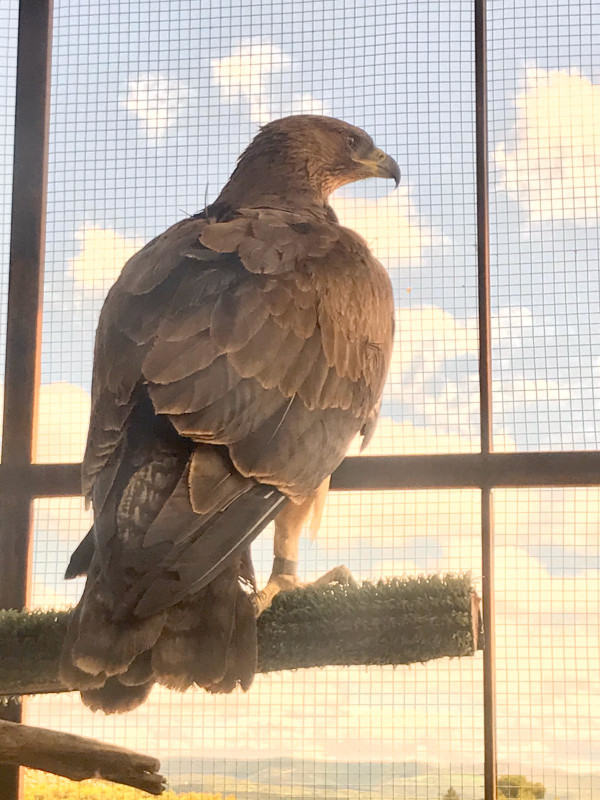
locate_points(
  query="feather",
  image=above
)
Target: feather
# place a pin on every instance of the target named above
(115, 697)
(225, 237)
(197, 391)
(200, 561)
(237, 318)
(171, 361)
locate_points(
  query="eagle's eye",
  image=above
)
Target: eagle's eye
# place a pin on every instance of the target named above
(352, 141)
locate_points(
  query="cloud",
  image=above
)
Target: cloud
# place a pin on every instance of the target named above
(404, 438)
(389, 224)
(426, 336)
(63, 417)
(243, 72)
(101, 257)
(554, 167)
(524, 391)
(433, 379)
(245, 76)
(156, 100)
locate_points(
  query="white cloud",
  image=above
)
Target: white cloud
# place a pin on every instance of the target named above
(389, 224)
(244, 77)
(63, 417)
(102, 255)
(405, 438)
(426, 336)
(244, 71)
(554, 168)
(524, 391)
(566, 518)
(156, 100)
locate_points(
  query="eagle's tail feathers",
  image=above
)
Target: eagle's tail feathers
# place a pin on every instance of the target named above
(116, 698)
(208, 640)
(242, 663)
(102, 644)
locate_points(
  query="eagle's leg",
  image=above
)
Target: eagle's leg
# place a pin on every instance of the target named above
(288, 527)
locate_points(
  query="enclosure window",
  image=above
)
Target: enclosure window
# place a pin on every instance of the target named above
(150, 106)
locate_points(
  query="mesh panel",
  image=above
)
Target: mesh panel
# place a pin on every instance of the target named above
(544, 77)
(548, 618)
(8, 76)
(150, 108)
(337, 732)
(149, 113)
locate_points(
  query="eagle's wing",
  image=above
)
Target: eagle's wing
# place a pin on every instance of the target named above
(277, 346)
(265, 341)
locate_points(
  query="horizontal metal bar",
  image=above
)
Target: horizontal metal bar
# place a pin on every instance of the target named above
(469, 470)
(42, 480)
(452, 471)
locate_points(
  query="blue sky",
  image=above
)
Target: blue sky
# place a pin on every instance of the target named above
(151, 104)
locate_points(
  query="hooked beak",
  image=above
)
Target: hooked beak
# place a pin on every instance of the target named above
(381, 165)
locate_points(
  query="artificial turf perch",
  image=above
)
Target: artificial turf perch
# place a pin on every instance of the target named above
(401, 621)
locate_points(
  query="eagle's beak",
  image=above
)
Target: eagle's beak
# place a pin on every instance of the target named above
(381, 165)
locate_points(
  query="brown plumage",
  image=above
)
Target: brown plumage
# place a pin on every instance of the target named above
(236, 357)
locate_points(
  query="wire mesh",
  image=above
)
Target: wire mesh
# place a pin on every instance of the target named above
(8, 79)
(403, 733)
(150, 111)
(544, 73)
(151, 104)
(548, 624)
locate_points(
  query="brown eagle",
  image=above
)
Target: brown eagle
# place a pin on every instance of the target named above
(236, 357)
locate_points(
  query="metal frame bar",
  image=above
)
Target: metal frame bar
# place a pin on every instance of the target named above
(485, 397)
(446, 471)
(21, 481)
(28, 221)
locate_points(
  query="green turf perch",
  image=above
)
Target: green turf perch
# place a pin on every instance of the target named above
(401, 621)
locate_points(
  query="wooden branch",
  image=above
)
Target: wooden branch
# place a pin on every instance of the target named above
(77, 757)
(401, 621)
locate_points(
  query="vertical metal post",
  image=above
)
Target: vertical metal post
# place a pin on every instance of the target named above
(485, 389)
(23, 330)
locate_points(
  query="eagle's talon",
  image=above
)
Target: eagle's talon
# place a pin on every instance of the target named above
(284, 583)
(277, 583)
(340, 574)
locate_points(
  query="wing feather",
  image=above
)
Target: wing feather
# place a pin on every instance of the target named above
(276, 347)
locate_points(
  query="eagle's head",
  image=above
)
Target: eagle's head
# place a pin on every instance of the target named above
(307, 155)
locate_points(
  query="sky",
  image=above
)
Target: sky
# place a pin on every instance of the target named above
(152, 102)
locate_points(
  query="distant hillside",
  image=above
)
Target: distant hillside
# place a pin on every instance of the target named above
(297, 779)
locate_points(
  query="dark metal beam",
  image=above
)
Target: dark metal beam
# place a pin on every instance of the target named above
(459, 471)
(485, 391)
(23, 330)
(476, 470)
(489, 648)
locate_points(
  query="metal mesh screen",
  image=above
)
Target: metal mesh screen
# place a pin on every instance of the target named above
(352, 732)
(149, 113)
(548, 622)
(544, 144)
(8, 77)
(151, 104)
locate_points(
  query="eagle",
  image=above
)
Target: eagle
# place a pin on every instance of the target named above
(236, 357)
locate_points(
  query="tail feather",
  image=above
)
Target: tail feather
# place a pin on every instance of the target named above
(201, 653)
(242, 663)
(115, 698)
(209, 640)
(82, 557)
(166, 598)
(140, 670)
(100, 643)
(71, 675)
